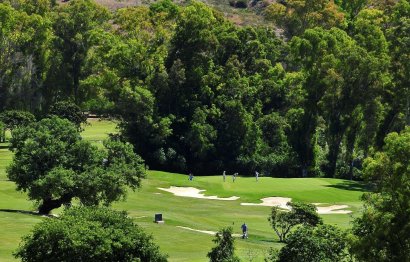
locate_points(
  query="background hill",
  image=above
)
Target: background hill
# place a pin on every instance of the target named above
(240, 12)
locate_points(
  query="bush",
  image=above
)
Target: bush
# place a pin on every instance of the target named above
(324, 243)
(239, 3)
(225, 247)
(89, 234)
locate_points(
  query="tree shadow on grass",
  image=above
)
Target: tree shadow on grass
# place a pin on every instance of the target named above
(34, 213)
(269, 240)
(4, 146)
(352, 186)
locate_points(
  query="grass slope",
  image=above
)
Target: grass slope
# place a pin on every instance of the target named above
(202, 214)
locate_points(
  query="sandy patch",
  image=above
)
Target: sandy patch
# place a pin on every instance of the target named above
(194, 192)
(335, 209)
(281, 203)
(271, 201)
(206, 231)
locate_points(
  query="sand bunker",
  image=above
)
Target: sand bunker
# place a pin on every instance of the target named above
(335, 209)
(194, 192)
(281, 203)
(271, 201)
(206, 231)
(268, 201)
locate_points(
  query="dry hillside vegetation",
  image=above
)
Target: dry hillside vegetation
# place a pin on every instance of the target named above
(239, 16)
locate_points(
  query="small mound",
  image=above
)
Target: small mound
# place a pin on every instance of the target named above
(281, 203)
(195, 193)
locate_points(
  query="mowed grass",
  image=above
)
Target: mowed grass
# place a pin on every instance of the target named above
(97, 130)
(200, 214)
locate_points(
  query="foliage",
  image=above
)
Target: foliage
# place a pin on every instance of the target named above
(15, 118)
(53, 165)
(297, 16)
(283, 221)
(382, 230)
(314, 244)
(224, 249)
(89, 234)
(73, 25)
(25, 46)
(195, 92)
(70, 111)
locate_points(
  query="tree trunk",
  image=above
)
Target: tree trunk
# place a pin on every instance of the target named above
(334, 149)
(350, 142)
(307, 146)
(49, 204)
(385, 128)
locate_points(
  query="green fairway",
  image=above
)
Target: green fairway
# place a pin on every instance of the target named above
(97, 130)
(200, 214)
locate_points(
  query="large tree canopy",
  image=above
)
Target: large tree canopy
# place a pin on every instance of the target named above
(54, 165)
(195, 92)
(89, 234)
(324, 243)
(383, 229)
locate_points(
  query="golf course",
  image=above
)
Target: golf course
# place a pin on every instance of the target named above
(189, 221)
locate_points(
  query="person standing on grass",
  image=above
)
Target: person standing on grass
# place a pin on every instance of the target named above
(224, 175)
(191, 177)
(244, 231)
(256, 175)
(234, 177)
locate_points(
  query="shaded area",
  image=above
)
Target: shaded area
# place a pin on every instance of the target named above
(35, 213)
(352, 186)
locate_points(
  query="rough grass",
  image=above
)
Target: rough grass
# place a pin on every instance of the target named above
(202, 214)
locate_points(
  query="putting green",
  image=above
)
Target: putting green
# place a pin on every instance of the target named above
(199, 214)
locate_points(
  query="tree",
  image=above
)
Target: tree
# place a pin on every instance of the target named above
(16, 118)
(296, 16)
(224, 249)
(398, 96)
(336, 89)
(283, 221)
(2, 132)
(324, 243)
(89, 234)
(382, 229)
(70, 111)
(73, 25)
(25, 43)
(54, 165)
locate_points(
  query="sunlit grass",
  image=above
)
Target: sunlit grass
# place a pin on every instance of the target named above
(202, 214)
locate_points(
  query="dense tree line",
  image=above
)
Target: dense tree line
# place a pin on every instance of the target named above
(196, 93)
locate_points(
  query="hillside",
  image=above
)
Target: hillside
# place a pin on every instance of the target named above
(249, 14)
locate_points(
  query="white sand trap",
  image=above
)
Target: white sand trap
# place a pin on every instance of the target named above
(206, 231)
(194, 192)
(271, 201)
(281, 203)
(335, 209)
